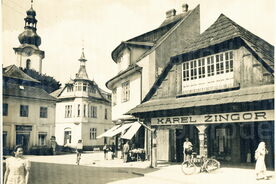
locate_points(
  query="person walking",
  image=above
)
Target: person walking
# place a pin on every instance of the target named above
(260, 167)
(187, 149)
(105, 149)
(17, 168)
(79, 151)
(53, 144)
(113, 150)
(126, 151)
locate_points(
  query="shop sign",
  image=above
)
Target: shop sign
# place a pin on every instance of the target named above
(23, 128)
(248, 116)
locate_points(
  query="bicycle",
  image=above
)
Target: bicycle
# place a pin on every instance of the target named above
(206, 164)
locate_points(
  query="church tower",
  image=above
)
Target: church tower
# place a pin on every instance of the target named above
(28, 53)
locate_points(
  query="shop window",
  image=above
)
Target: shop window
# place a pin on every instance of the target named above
(5, 109)
(43, 112)
(125, 92)
(223, 141)
(24, 110)
(93, 133)
(68, 111)
(5, 140)
(42, 139)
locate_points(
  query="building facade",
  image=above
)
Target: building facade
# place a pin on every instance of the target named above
(83, 111)
(141, 59)
(219, 92)
(28, 111)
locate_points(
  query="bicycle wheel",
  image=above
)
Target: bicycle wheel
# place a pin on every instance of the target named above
(188, 168)
(211, 165)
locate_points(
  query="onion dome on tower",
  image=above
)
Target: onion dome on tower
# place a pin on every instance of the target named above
(29, 36)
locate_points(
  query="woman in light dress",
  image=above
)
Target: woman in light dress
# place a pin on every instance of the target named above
(17, 168)
(260, 168)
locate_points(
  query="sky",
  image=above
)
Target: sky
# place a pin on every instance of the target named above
(66, 26)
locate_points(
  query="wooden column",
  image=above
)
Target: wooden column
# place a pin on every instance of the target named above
(202, 136)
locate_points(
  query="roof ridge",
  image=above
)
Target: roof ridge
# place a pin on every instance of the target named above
(240, 29)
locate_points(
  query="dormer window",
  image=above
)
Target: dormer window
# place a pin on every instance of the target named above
(85, 86)
(69, 88)
(92, 89)
(78, 86)
(208, 73)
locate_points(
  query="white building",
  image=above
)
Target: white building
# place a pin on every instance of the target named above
(83, 111)
(28, 111)
(141, 59)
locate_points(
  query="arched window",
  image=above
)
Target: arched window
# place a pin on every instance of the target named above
(67, 135)
(28, 64)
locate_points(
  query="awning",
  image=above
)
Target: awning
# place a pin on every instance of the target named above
(119, 130)
(107, 133)
(131, 131)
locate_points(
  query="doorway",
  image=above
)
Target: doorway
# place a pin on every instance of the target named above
(23, 138)
(188, 131)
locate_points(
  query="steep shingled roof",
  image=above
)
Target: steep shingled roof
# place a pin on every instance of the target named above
(221, 30)
(23, 91)
(153, 36)
(13, 71)
(224, 29)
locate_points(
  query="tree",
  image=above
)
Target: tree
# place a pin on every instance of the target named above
(48, 83)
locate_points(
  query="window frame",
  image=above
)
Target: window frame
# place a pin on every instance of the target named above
(5, 111)
(43, 113)
(93, 133)
(24, 111)
(68, 111)
(39, 140)
(125, 91)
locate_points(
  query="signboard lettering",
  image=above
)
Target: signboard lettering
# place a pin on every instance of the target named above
(249, 116)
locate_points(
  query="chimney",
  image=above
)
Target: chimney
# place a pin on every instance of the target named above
(185, 7)
(170, 13)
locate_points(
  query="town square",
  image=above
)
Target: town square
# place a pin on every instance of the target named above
(125, 91)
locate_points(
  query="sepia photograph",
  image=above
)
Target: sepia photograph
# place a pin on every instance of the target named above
(132, 92)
